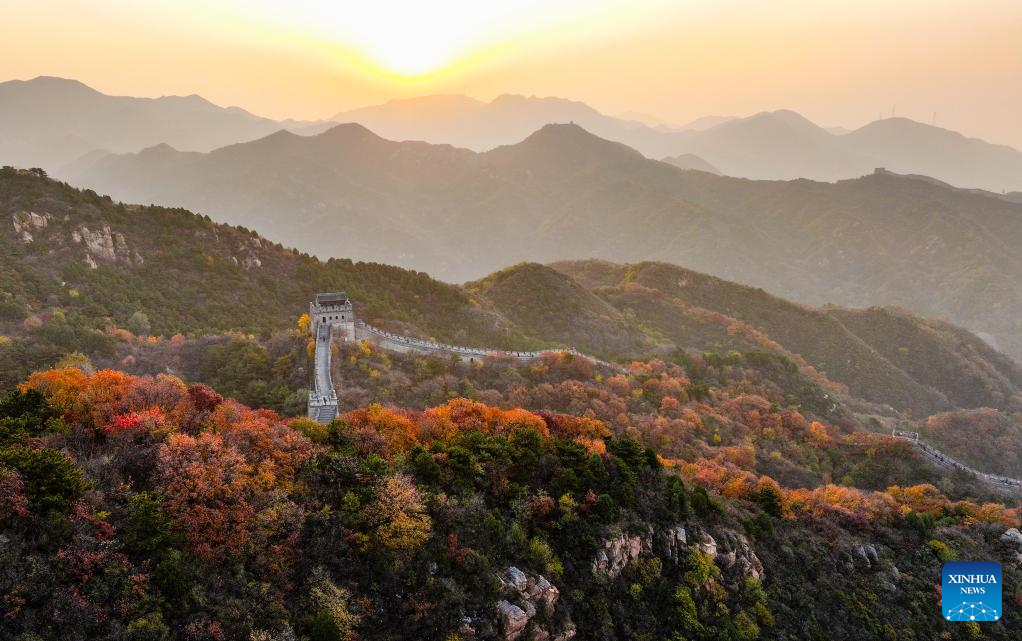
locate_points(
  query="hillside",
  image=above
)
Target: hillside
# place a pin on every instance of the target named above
(73, 264)
(562, 193)
(882, 355)
(142, 507)
(557, 309)
(78, 269)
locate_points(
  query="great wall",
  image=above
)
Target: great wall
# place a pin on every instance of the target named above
(333, 312)
(945, 460)
(332, 315)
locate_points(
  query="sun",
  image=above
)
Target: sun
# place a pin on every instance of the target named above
(412, 38)
(421, 38)
(408, 50)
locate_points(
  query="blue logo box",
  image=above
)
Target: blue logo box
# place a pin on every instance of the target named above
(971, 591)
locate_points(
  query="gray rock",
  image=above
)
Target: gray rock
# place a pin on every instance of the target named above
(1012, 536)
(529, 594)
(707, 544)
(568, 633)
(512, 620)
(737, 558)
(672, 541)
(516, 578)
(615, 554)
(107, 246)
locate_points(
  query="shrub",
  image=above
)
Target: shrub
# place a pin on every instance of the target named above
(52, 480)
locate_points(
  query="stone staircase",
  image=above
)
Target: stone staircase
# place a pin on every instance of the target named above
(323, 399)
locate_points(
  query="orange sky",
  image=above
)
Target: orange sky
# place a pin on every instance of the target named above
(838, 62)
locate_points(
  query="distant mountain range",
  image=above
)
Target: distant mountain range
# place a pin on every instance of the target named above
(776, 145)
(49, 122)
(563, 193)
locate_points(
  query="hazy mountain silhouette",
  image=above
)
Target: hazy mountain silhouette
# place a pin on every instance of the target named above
(47, 122)
(564, 193)
(776, 145)
(692, 162)
(474, 124)
(50, 122)
(906, 146)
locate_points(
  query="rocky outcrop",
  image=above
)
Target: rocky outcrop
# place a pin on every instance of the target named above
(616, 553)
(528, 596)
(702, 541)
(736, 558)
(1012, 537)
(106, 246)
(27, 221)
(730, 550)
(512, 620)
(861, 557)
(673, 542)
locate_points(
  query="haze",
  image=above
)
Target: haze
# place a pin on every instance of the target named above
(839, 63)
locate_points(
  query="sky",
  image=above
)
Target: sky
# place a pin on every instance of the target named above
(838, 62)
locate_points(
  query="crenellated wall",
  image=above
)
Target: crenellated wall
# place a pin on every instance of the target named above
(405, 344)
(331, 315)
(946, 460)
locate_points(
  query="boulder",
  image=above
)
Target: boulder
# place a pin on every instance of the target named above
(1012, 536)
(543, 593)
(25, 221)
(706, 543)
(512, 620)
(568, 633)
(515, 578)
(526, 595)
(861, 557)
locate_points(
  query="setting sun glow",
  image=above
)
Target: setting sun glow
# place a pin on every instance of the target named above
(414, 39)
(672, 60)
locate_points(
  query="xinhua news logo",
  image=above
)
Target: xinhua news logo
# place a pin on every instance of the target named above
(971, 591)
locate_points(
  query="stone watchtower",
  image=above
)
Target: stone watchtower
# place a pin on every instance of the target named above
(335, 310)
(329, 315)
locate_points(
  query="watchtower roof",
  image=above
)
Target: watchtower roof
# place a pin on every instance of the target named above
(332, 299)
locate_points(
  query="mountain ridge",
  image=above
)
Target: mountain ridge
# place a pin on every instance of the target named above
(186, 274)
(51, 122)
(563, 193)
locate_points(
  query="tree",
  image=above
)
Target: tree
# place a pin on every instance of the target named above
(399, 432)
(331, 620)
(769, 496)
(52, 481)
(398, 518)
(205, 483)
(25, 414)
(13, 501)
(76, 360)
(139, 325)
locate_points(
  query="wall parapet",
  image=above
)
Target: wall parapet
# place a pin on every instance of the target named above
(365, 330)
(941, 458)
